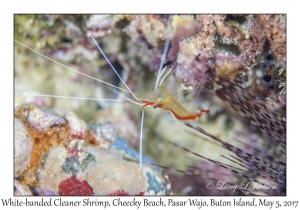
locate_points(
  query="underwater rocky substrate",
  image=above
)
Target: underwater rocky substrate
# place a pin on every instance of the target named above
(64, 156)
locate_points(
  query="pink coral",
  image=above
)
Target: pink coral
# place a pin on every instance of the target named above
(72, 186)
(255, 44)
(147, 28)
(40, 117)
(275, 29)
(230, 44)
(194, 61)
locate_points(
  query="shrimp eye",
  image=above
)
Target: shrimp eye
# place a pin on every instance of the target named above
(154, 106)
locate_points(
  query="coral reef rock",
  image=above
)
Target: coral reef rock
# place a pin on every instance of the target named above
(63, 156)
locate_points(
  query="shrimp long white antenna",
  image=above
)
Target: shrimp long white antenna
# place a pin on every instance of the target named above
(70, 68)
(142, 119)
(99, 48)
(163, 55)
(166, 76)
(161, 73)
(141, 141)
(162, 60)
(79, 98)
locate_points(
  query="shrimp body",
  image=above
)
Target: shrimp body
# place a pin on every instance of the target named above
(168, 102)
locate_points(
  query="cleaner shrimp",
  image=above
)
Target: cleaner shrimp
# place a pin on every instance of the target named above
(78, 103)
(166, 101)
